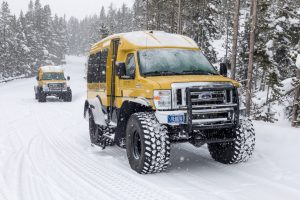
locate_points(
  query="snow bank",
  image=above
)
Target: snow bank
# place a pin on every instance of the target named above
(4, 80)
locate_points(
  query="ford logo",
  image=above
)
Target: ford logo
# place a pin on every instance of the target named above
(205, 96)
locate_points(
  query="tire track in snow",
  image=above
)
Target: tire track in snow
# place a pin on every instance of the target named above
(254, 178)
(51, 184)
(114, 179)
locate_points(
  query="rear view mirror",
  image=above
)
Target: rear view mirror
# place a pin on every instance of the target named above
(68, 78)
(223, 69)
(121, 69)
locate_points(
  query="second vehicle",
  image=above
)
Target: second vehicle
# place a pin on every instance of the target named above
(51, 81)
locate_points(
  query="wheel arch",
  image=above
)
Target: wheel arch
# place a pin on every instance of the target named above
(96, 106)
(128, 108)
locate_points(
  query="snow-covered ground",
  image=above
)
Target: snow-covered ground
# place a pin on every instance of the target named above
(45, 153)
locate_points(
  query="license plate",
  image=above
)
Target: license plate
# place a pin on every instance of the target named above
(175, 119)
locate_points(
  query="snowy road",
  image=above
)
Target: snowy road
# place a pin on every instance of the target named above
(45, 154)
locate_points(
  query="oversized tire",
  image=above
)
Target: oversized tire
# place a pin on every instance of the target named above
(147, 144)
(36, 95)
(93, 129)
(68, 96)
(97, 133)
(240, 150)
(42, 96)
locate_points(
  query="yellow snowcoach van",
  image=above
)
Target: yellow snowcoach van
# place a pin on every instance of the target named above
(51, 81)
(148, 89)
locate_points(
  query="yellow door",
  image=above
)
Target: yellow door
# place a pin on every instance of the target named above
(128, 85)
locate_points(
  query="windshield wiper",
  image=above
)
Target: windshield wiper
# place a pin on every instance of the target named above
(198, 72)
(161, 73)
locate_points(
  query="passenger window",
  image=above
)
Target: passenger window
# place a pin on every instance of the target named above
(130, 66)
(97, 67)
(92, 71)
(103, 62)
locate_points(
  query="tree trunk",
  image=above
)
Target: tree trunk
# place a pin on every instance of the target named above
(147, 15)
(263, 81)
(235, 38)
(179, 23)
(296, 106)
(227, 32)
(250, 65)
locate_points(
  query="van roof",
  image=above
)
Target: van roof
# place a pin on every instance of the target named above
(51, 68)
(148, 39)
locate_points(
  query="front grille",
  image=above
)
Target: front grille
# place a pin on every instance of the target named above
(55, 86)
(208, 98)
(202, 98)
(211, 115)
(211, 106)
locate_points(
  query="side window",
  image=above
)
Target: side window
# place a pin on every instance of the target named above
(96, 68)
(102, 68)
(130, 65)
(91, 70)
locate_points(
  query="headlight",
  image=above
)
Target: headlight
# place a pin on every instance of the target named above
(45, 88)
(162, 99)
(65, 86)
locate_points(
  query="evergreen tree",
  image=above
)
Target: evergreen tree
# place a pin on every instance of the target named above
(31, 40)
(6, 40)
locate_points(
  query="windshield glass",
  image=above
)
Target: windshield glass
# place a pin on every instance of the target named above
(174, 62)
(53, 76)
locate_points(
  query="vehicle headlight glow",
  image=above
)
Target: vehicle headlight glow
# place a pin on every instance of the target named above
(45, 87)
(65, 86)
(162, 99)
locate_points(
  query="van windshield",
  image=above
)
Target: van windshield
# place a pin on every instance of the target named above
(53, 76)
(156, 62)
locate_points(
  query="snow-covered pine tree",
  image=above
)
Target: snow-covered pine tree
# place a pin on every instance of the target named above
(73, 34)
(8, 30)
(139, 22)
(201, 24)
(59, 43)
(286, 33)
(111, 19)
(22, 50)
(124, 19)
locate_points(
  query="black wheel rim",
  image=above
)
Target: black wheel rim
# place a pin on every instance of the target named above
(137, 145)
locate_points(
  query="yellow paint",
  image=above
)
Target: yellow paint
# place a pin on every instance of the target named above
(45, 82)
(140, 86)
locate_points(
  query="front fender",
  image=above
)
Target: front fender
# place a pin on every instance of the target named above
(141, 100)
(98, 113)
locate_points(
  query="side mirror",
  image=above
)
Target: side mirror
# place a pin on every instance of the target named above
(121, 69)
(223, 69)
(68, 78)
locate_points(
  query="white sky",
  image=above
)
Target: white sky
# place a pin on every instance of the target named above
(77, 8)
